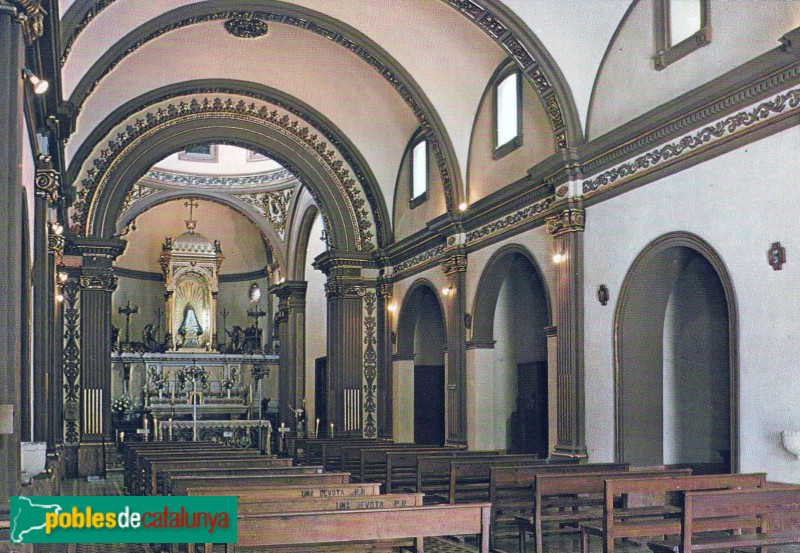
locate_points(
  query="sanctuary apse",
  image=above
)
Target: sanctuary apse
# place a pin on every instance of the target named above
(558, 228)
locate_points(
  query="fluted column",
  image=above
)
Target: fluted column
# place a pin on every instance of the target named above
(455, 267)
(291, 322)
(567, 230)
(13, 326)
(98, 283)
(386, 310)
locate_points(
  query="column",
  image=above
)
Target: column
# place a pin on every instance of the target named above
(13, 328)
(291, 320)
(98, 283)
(349, 405)
(567, 230)
(455, 267)
(386, 312)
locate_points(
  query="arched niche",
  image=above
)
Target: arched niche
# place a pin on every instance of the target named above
(676, 358)
(509, 370)
(419, 394)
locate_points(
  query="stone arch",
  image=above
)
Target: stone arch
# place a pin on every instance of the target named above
(488, 290)
(274, 254)
(303, 238)
(310, 116)
(538, 66)
(158, 133)
(279, 12)
(650, 287)
(407, 318)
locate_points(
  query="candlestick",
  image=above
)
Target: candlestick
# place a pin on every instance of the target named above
(170, 429)
(155, 428)
(331, 436)
(316, 430)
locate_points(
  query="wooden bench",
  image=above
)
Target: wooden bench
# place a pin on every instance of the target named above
(133, 451)
(373, 462)
(262, 492)
(169, 474)
(289, 531)
(511, 488)
(180, 484)
(155, 466)
(317, 451)
(569, 499)
(383, 501)
(733, 510)
(433, 474)
(616, 521)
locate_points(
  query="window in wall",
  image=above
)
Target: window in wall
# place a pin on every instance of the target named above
(199, 152)
(419, 173)
(507, 115)
(681, 27)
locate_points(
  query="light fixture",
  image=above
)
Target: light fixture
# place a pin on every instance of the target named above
(463, 206)
(62, 277)
(59, 297)
(392, 307)
(447, 291)
(559, 257)
(40, 86)
(56, 228)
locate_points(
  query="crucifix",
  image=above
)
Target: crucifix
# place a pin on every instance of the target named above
(191, 224)
(224, 314)
(256, 313)
(128, 311)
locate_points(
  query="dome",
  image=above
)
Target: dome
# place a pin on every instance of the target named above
(193, 242)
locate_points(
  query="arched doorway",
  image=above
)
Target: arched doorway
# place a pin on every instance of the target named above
(422, 338)
(676, 358)
(511, 311)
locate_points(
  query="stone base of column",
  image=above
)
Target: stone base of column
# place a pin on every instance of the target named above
(92, 460)
(569, 452)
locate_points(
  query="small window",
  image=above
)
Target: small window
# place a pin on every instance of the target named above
(419, 172)
(681, 27)
(507, 115)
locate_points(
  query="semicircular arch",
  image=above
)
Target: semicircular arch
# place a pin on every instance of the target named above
(409, 312)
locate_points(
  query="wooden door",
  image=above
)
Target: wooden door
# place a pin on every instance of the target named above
(529, 422)
(429, 404)
(320, 394)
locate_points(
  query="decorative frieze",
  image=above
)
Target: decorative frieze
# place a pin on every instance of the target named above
(273, 206)
(780, 106)
(509, 222)
(219, 181)
(136, 194)
(370, 341)
(245, 25)
(71, 361)
(455, 264)
(419, 259)
(104, 282)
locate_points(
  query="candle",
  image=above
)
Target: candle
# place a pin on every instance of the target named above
(331, 430)
(155, 428)
(283, 425)
(145, 422)
(316, 429)
(173, 393)
(170, 429)
(121, 436)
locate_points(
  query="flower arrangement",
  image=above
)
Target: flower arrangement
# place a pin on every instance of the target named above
(191, 373)
(120, 405)
(157, 380)
(230, 382)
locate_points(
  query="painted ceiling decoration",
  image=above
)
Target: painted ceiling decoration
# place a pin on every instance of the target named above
(370, 52)
(97, 168)
(245, 25)
(172, 178)
(126, 119)
(273, 205)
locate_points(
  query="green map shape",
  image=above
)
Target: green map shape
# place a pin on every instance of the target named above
(30, 517)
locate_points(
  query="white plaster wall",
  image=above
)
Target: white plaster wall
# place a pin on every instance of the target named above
(740, 203)
(741, 31)
(316, 315)
(403, 400)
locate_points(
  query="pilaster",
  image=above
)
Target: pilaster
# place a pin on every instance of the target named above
(567, 230)
(386, 311)
(455, 267)
(291, 321)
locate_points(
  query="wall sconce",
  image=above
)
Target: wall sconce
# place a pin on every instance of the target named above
(447, 291)
(463, 206)
(39, 86)
(776, 256)
(59, 297)
(62, 277)
(602, 294)
(467, 320)
(392, 307)
(558, 257)
(56, 228)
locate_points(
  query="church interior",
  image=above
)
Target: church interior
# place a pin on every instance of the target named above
(277, 235)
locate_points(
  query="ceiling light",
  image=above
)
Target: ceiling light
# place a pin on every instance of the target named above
(40, 86)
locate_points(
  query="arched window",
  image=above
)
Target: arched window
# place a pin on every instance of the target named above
(419, 172)
(507, 114)
(681, 26)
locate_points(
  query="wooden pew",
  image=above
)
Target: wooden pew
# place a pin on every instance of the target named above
(180, 484)
(469, 478)
(169, 474)
(401, 466)
(383, 501)
(289, 531)
(511, 487)
(314, 450)
(733, 510)
(262, 492)
(433, 474)
(372, 462)
(135, 449)
(616, 523)
(570, 499)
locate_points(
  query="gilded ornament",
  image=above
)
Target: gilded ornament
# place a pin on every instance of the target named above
(569, 220)
(246, 26)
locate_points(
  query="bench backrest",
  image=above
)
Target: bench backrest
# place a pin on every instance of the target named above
(260, 492)
(595, 482)
(180, 484)
(170, 474)
(385, 501)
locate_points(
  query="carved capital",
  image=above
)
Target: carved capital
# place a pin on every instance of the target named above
(569, 220)
(343, 290)
(106, 282)
(47, 179)
(455, 264)
(30, 14)
(385, 290)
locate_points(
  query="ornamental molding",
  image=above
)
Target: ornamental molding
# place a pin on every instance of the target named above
(399, 82)
(414, 263)
(273, 206)
(46, 179)
(161, 177)
(87, 18)
(455, 264)
(30, 14)
(509, 222)
(493, 24)
(720, 131)
(99, 282)
(71, 360)
(245, 25)
(101, 163)
(135, 195)
(55, 243)
(370, 373)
